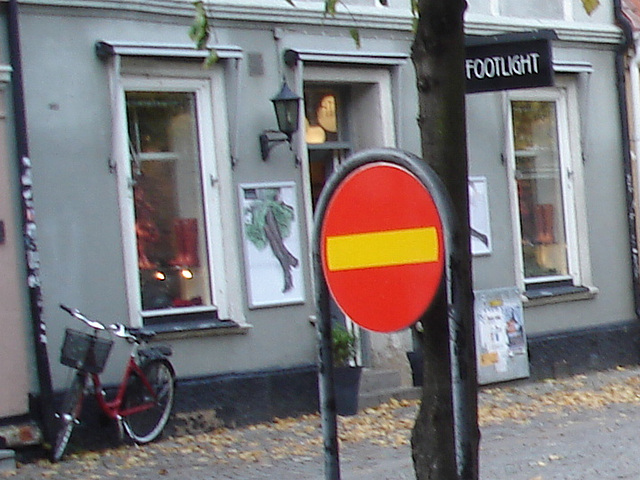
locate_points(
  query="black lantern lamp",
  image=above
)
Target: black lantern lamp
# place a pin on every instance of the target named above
(286, 105)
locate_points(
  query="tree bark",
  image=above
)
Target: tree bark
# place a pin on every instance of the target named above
(445, 440)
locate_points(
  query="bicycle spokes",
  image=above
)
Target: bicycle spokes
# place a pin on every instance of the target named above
(148, 412)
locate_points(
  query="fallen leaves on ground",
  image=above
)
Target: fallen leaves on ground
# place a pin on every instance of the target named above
(501, 405)
(387, 425)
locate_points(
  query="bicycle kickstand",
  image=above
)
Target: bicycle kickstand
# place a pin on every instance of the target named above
(120, 428)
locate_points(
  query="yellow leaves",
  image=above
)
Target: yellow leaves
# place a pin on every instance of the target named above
(388, 426)
(252, 456)
(500, 405)
(590, 5)
(282, 424)
(385, 425)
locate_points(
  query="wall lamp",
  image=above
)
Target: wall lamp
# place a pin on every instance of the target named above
(286, 104)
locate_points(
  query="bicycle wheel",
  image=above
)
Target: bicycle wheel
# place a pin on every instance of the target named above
(68, 415)
(146, 424)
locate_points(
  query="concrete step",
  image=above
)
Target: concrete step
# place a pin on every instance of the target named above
(374, 399)
(381, 385)
(7, 460)
(373, 380)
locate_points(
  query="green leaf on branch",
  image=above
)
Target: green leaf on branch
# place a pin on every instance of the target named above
(199, 31)
(415, 13)
(212, 58)
(415, 8)
(355, 34)
(330, 6)
(590, 5)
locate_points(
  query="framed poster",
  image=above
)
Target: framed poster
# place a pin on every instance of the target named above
(501, 343)
(271, 244)
(479, 216)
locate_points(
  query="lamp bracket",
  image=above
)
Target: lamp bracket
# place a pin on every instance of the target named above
(268, 138)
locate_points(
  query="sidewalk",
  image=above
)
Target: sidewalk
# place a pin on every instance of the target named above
(580, 428)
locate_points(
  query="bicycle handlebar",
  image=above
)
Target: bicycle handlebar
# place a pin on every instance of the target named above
(117, 329)
(74, 312)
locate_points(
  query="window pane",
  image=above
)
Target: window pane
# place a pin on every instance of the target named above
(322, 164)
(538, 177)
(322, 115)
(168, 201)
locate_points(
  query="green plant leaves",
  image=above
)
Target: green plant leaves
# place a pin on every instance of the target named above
(590, 5)
(355, 35)
(330, 6)
(199, 30)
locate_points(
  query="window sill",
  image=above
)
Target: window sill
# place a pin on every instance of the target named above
(196, 324)
(560, 294)
(191, 329)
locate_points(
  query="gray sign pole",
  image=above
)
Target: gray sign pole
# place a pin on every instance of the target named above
(326, 387)
(463, 419)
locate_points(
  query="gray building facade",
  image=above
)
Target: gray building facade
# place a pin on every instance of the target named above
(155, 206)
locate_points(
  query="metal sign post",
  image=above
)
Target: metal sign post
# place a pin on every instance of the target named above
(325, 378)
(382, 248)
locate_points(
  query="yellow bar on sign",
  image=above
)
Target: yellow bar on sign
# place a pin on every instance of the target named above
(382, 249)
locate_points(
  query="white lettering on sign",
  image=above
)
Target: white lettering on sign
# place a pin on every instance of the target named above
(507, 66)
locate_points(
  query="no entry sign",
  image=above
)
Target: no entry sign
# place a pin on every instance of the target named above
(382, 245)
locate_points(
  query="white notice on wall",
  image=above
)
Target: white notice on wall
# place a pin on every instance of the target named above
(500, 336)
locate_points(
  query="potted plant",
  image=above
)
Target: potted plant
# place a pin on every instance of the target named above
(346, 373)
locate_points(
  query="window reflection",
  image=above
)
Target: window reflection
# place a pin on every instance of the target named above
(321, 118)
(538, 177)
(168, 200)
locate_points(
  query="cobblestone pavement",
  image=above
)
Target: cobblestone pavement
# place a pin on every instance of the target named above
(581, 428)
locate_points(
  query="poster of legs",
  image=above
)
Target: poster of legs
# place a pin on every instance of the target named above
(271, 243)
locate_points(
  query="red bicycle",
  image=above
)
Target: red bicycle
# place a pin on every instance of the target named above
(143, 401)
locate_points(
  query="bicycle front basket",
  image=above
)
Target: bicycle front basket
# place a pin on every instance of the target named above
(85, 352)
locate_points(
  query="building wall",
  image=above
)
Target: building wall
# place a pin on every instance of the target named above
(14, 361)
(79, 230)
(70, 115)
(603, 200)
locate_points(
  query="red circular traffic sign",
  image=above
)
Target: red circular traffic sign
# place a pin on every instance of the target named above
(382, 247)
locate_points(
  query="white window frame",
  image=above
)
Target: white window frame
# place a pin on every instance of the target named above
(382, 118)
(565, 96)
(216, 187)
(380, 78)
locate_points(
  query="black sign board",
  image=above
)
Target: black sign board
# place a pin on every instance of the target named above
(505, 62)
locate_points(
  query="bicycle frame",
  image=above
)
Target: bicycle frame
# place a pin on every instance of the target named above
(135, 397)
(113, 408)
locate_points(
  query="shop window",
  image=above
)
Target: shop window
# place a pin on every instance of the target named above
(326, 133)
(341, 117)
(168, 200)
(546, 173)
(173, 192)
(540, 195)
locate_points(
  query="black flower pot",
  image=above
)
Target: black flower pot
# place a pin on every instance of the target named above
(346, 382)
(415, 361)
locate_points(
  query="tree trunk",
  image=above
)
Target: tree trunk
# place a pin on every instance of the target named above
(444, 449)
